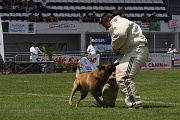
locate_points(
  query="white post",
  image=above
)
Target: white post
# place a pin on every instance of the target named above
(154, 42)
(83, 42)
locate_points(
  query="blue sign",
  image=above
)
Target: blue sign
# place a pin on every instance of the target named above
(103, 40)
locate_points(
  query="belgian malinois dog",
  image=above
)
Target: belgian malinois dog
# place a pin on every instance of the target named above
(91, 82)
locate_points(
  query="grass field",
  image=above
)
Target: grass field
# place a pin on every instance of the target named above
(45, 97)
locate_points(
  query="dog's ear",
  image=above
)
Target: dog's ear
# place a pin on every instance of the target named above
(100, 67)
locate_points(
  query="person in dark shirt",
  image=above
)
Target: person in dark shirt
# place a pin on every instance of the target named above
(153, 17)
(87, 17)
(94, 18)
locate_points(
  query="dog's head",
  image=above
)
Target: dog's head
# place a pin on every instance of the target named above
(109, 67)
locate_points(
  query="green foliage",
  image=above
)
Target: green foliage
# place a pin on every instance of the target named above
(49, 50)
(45, 97)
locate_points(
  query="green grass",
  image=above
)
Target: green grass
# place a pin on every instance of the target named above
(45, 97)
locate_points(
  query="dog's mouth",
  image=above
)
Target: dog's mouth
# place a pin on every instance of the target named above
(112, 68)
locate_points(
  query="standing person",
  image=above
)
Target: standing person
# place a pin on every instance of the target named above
(127, 39)
(34, 51)
(172, 51)
(93, 49)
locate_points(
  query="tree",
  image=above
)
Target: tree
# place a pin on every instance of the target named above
(49, 50)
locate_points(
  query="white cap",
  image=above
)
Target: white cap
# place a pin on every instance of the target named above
(93, 40)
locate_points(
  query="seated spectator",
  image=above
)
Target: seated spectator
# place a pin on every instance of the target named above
(81, 17)
(7, 6)
(41, 18)
(32, 6)
(24, 5)
(145, 17)
(116, 11)
(32, 17)
(87, 17)
(53, 18)
(153, 17)
(44, 8)
(123, 12)
(94, 18)
(16, 3)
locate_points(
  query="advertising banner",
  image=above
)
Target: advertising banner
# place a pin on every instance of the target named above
(19, 27)
(177, 60)
(88, 63)
(65, 26)
(146, 27)
(158, 60)
(103, 43)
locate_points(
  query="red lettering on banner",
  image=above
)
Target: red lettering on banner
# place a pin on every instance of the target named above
(92, 60)
(155, 65)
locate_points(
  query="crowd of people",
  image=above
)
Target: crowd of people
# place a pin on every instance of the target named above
(26, 5)
(41, 6)
(146, 18)
(88, 18)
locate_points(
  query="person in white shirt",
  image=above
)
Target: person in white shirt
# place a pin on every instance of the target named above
(127, 39)
(172, 51)
(93, 49)
(34, 51)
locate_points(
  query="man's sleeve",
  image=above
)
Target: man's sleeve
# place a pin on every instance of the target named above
(119, 34)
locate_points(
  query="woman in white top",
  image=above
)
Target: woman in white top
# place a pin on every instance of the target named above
(172, 51)
(44, 6)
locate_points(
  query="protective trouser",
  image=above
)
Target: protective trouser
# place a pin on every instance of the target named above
(129, 66)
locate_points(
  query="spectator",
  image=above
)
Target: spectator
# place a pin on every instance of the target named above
(93, 49)
(32, 6)
(172, 51)
(94, 18)
(24, 5)
(87, 17)
(7, 6)
(145, 17)
(41, 18)
(44, 8)
(123, 12)
(81, 17)
(34, 50)
(153, 17)
(53, 18)
(116, 11)
(32, 17)
(16, 3)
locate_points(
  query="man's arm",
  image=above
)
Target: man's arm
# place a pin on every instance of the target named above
(119, 34)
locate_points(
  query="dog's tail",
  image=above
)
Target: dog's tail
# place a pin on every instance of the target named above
(78, 70)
